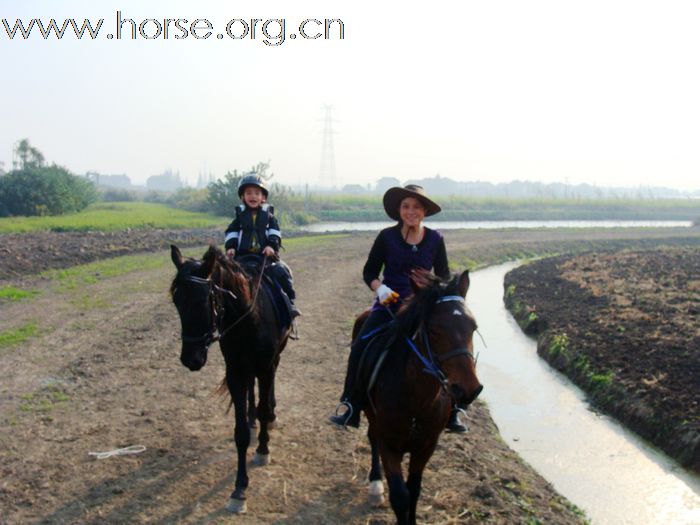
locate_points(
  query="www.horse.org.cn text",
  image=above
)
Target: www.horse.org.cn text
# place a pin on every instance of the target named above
(271, 31)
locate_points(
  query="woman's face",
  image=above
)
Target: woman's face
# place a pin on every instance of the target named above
(412, 212)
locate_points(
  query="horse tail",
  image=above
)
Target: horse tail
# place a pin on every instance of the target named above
(223, 390)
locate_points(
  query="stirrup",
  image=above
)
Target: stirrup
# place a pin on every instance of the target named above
(342, 419)
(346, 404)
(294, 334)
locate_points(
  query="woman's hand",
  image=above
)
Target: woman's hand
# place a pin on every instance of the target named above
(386, 295)
(268, 251)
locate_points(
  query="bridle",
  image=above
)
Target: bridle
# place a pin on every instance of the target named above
(431, 362)
(217, 309)
(210, 336)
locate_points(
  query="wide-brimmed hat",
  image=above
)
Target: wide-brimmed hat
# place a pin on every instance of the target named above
(394, 196)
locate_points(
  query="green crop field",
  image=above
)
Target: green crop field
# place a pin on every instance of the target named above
(115, 216)
(461, 208)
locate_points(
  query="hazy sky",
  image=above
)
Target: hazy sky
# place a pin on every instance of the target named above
(604, 92)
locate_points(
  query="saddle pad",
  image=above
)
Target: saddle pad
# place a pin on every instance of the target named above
(373, 357)
(279, 300)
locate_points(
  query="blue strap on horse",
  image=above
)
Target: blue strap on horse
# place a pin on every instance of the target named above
(430, 366)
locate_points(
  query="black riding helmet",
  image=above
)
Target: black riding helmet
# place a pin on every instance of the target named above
(252, 180)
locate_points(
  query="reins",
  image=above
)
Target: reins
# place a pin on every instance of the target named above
(250, 306)
(212, 336)
(431, 363)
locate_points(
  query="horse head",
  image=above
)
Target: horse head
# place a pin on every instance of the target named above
(447, 328)
(193, 294)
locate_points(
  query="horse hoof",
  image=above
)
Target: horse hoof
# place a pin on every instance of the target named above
(376, 493)
(260, 460)
(237, 506)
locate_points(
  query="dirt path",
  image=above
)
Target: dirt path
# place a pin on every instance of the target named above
(103, 372)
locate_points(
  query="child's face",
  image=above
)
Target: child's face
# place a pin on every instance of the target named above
(253, 196)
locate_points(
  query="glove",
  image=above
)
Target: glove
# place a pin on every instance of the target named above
(386, 295)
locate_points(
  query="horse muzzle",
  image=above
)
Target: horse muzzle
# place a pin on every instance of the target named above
(194, 358)
(463, 397)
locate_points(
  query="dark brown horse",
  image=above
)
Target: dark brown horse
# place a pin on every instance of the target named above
(429, 368)
(217, 300)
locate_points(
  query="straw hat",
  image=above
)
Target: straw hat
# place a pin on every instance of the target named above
(394, 196)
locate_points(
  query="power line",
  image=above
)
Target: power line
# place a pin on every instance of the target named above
(327, 171)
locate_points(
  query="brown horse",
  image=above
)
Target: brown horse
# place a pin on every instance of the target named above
(217, 300)
(429, 368)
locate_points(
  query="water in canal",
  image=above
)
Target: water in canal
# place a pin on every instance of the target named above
(614, 476)
(340, 226)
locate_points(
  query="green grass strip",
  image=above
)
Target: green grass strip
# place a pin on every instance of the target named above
(95, 271)
(15, 336)
(115, 216)
(300, 243)
(12, 293)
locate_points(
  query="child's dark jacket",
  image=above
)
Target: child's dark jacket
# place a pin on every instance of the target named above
(243, 234)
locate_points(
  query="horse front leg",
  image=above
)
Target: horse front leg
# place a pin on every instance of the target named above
(416, 466)
(239, 389)
(398, 492)
(376, 487)
(272, 423)
(251, 402)
(266, 383)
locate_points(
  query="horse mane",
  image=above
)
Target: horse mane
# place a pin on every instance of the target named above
(420, 306)
(226, 273)
(231, 275)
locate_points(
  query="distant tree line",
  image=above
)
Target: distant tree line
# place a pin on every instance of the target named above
(520, 189)
(33, 188)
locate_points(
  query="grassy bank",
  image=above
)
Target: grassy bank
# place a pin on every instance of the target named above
(621, 325)
(141, 215)
(369, 208)
(114, 217)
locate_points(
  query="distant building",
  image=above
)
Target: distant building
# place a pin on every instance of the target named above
(203, 180)
(112, 181)
(353, 188)
(385, 183)
(166, 181)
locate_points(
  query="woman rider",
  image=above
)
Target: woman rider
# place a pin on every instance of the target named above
(398, 250)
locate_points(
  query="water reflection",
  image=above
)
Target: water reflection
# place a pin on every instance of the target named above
(321, 227)
(607, 471)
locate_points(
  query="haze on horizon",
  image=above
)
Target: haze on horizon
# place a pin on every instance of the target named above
(601, 92)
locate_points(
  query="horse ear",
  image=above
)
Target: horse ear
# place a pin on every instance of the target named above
(176, 256)
(419, 279)
(464, 283)
(210, 260)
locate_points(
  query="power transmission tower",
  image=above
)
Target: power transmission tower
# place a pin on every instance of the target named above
(327, 171)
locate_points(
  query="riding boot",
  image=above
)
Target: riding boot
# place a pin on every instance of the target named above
(289, 290)
(350, 398)
(353, 394)
(454, 424)
(283, 275)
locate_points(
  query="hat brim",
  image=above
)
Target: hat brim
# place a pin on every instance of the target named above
(394, 196)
